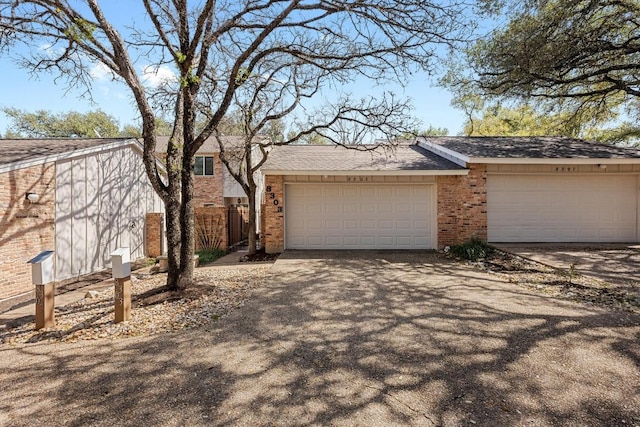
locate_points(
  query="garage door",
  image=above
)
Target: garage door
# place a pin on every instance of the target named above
(551, 208)
(359, 216)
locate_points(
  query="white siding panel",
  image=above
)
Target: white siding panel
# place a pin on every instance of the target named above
(101, 203)
(562, 208)
(94, 259)
(63, 246)
(360, 216)
(79, 217)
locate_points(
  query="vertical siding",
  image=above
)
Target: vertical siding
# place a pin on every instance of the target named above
(79, 216)
(64, 219)
(101, 202)
(94, 260)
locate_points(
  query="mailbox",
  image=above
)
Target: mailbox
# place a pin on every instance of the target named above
(42, 268)
(121, 263)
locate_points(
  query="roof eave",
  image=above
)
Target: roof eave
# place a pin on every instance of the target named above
(421, 172)
(555, 161)
(453, 156)
(40, 160)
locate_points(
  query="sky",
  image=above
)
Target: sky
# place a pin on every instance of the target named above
(29, 92)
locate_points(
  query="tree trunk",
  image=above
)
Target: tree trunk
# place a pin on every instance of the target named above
(172, 213)
(252, 219)
(187, 226)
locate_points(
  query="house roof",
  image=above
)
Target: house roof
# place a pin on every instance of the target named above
(210, 145)
(20, 153)
(410, 159)
(479, 149)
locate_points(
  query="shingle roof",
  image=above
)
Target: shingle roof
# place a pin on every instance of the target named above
(338, 158)
(19, 150)
(532, 148)
(210, 145)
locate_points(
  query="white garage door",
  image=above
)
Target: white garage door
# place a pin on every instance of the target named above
(551, 208)
(359, 216)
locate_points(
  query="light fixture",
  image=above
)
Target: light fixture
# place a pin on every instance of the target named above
(601, 166)
(32, 197)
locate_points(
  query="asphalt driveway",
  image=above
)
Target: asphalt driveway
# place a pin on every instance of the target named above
(365, 338)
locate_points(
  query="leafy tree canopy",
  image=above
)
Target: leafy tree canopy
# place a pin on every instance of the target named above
(45, 124)
(561, 56)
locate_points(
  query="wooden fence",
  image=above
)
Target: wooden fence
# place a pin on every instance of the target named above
(238, 224)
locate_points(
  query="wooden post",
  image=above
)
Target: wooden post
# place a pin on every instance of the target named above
(45, 304)
(122, 297)
(121, 267)
(42, 275)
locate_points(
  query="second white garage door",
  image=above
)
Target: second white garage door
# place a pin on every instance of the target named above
(359, 216)
(550, 208)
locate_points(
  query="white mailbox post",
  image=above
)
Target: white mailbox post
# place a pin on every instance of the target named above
(121, 267)
(121, 263)
(42, 275)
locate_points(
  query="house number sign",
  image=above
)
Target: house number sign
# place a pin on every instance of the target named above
(566, 169)
(272, 196)
(358, 178)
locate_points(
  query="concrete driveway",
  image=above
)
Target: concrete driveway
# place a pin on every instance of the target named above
(375, 339)
(617, 264)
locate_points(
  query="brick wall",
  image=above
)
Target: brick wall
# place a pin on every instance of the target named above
(154, 224)
(462, 206)
(209, 189)
(273, 212)
(447, 207)
(26, 228)
(262, 224)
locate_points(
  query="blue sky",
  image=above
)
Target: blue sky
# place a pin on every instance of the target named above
(21, 90)
(29, 92)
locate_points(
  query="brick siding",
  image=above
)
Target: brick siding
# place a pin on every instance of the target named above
(154, 224)
(26, 228)
(462, 206)
(209, 189)
(273, 211)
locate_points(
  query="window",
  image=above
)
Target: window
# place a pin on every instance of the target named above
(204, 166)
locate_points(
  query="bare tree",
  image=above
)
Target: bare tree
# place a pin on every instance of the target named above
(263, 101)
(214, 47)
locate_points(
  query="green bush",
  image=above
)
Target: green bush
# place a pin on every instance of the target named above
(210, 255)
(471, 250)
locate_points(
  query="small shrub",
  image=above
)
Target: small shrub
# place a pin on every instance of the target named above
(471, 250)
(210, 255)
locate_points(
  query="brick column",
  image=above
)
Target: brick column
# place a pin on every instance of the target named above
(153, 234)
(273, 214)
(462, 206)
(448, 210)
(473, 209)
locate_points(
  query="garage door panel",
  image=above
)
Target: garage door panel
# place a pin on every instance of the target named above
(368, 224)
(552, 208)
(367, 208)
(353, 216)
(385, 208)
(403, 224)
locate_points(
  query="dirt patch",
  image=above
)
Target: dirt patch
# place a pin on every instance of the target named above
(566, 283)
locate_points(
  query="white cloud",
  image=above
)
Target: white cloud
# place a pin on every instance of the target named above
(157, 75)
(101, 72)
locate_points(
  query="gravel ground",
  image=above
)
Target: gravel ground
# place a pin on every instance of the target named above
(366, 338)
(567, 283)
(216, 292)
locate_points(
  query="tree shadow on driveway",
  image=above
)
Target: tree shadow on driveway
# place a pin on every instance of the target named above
(364, 338)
